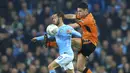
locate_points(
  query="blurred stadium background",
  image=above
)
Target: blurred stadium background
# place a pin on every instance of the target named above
(21, 20)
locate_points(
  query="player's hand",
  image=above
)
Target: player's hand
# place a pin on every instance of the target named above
(69, 31)
(33, 39)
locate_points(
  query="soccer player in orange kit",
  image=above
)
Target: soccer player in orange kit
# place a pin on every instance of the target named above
(89, 35)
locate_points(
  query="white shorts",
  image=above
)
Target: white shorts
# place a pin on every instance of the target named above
(65, 61)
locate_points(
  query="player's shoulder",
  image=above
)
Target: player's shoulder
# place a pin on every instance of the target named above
(69, 27)
(66, 27)
(89, 16)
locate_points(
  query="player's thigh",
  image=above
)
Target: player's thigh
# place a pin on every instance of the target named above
(76, 42)
(53, 65)
(87, 49)
(81, 61)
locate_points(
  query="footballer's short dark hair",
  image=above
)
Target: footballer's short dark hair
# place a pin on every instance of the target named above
(83, 5)
(59, 14)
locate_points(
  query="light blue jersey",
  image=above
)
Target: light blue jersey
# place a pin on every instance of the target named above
(63, 39)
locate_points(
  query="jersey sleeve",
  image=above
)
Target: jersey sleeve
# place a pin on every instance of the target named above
(50, 37)
(87, 21)
(49, 43)
(40, 38)
(74, 32)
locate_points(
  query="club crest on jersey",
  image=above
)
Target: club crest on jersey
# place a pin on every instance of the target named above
(61, 30)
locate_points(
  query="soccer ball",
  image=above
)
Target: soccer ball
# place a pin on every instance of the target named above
(51, 30)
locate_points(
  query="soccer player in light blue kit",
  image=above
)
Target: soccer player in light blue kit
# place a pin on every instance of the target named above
(63, 40)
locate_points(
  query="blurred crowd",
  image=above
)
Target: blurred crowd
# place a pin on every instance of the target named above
(21, 20)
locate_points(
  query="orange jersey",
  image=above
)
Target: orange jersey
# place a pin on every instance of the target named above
(89, 28)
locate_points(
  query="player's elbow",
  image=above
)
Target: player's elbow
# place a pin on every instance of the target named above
(75, 25)
(79, 35)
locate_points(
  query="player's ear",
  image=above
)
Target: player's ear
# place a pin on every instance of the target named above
(60, 18)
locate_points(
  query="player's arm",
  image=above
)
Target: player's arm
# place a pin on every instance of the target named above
(69, 16)
(74, 25)
(77, 34)
(41, 38)
(74, 32)
(49, 43)
(37, 38)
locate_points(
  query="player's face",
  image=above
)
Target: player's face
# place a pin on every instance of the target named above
(81, 12)
(55, 19)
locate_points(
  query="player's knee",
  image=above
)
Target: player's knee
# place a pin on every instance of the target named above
(81, 69)
(50, 67)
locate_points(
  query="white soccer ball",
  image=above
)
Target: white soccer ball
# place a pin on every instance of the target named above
(51, 30)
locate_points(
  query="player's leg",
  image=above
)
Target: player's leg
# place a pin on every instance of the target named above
(69, 68)
(56, 63)
(81, 62)
(52, 67)
(65, 61)
(61, 61)
(84, 53)
(76, 42)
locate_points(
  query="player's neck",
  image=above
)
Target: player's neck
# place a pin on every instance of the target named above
(60, 24)
(87, 13)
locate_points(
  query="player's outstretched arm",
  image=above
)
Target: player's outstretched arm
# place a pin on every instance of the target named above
(49, 43)
(42, 38)
(74, 25)
(37, 38)
(75, 33)
(69, 16)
